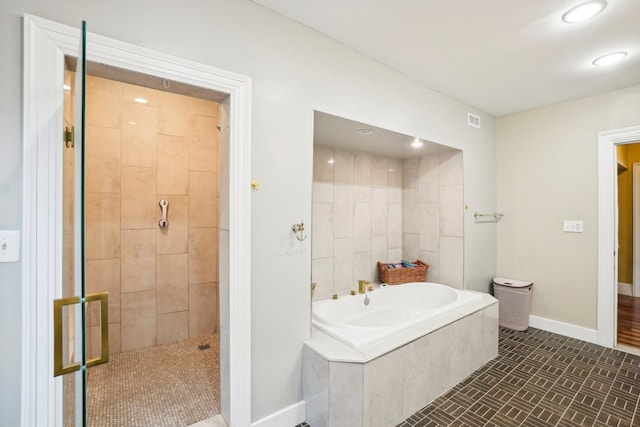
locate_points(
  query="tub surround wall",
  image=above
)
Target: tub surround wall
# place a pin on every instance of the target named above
(357, 217)
(368, 208)
(384, 390)
(433, 222)
(162, 283)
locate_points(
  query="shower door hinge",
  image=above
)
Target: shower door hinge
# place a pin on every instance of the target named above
(68, 136)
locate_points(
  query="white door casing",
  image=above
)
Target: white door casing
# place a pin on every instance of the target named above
(45, 45)
(608, 228)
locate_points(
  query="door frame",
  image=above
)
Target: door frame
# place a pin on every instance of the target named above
(608, 230)
(45, 45)
(635, 201)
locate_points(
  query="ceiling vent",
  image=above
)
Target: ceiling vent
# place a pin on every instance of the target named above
(473, 120)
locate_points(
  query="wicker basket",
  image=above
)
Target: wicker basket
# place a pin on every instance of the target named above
(395, 276)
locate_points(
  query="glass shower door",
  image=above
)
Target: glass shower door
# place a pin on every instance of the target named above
(71, 310)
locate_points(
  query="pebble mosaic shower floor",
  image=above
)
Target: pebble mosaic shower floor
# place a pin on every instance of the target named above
(168, 385)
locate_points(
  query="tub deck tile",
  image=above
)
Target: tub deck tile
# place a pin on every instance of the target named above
(541, 379)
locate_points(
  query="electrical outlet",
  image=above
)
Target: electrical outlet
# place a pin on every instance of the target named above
(9, 245)
(573, 226)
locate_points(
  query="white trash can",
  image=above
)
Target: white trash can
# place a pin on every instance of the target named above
(514, 298)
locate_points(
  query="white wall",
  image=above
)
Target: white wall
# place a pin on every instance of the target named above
(547, 172)
(294, 71)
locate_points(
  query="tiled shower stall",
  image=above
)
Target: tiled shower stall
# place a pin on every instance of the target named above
(144, 145)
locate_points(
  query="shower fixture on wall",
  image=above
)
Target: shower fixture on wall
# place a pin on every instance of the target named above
(164, 205)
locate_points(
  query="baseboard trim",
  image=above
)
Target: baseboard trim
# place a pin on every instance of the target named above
(566, 329)
(625, 289)
(290, 416)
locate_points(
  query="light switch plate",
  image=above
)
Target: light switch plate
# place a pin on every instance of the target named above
(9, 245)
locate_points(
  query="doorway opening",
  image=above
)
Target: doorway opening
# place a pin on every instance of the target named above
(149, 140)
(628, 220)
(46, 43)
(608, 230)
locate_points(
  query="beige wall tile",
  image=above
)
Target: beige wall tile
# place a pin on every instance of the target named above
(343, 210)
(175, 238)
(452, 211)
(69, 79)
(131, 92)
(104, 275)
(362, 169)
(343, 256)
(139, 202)
(203, 144)
(175, 116)
(173, 327)
(362, 227)
(173, 164)
(104, 102)
(203, 193)
(429, 179)
(394, 173)
(410, 169)
(223, 179)
(322, 230)
(323, 170)
(173, 283)
(150, 299)
(202, 107)
(138, 326)
(379, 172)
(114, 338)
(451, 168)
(343, 167)
(203, 255)
(139, 130)
(102, 226)
(94, 341)
(203, 308)
(102, 160)
(138, 261)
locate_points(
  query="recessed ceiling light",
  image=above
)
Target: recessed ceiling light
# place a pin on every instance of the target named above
(331, 161)
(417, 143)
(609, 58)
(140, 100)
(584, 11)
(365, 131)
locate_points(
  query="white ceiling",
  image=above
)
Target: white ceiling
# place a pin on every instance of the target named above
(500, 56)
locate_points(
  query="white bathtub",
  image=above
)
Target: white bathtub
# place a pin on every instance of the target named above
(391, 309)
(376, 365)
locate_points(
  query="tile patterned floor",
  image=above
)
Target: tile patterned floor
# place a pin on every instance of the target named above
(541, 379)
(168, 385)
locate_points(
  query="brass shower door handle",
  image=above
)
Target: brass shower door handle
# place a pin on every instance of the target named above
(58, 304)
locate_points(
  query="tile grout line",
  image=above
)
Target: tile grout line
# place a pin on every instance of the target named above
(528, 381)
(554, 383)
(588, 366)
(609, 391)
(485, 393)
